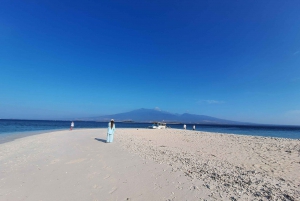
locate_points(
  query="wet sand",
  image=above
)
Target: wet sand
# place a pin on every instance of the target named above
(144, 164)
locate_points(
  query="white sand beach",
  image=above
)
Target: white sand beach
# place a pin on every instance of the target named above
(144, 164)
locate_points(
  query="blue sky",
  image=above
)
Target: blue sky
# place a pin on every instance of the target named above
(237, 60)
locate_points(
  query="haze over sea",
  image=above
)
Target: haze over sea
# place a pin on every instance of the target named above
(12, 129)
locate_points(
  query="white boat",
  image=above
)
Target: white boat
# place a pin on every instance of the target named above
(158, 125)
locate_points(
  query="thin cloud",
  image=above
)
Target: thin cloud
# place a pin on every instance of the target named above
(157, 108)
(294, 112)
(296, 52)
(211, 102)
(296, 79)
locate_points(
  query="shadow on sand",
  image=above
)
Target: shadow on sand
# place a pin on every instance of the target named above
(100, 140)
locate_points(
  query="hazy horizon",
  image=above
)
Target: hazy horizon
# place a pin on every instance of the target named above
(90, 118)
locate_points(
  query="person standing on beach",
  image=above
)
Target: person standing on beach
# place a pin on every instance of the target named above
(184, 126)
(194, 127)
(72, 126)
(110, 131)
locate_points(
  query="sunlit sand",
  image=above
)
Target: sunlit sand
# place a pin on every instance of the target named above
(145, 164)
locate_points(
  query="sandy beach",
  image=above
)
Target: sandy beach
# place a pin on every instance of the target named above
(145, 164)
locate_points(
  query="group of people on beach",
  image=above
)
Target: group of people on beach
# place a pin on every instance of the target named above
(111, 130)
(184, 127)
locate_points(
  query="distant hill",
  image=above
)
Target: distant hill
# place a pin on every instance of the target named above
(150, 115)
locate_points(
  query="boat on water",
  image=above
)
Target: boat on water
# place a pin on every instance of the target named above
(158, 125)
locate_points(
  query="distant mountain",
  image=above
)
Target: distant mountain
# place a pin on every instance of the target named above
(150, 115)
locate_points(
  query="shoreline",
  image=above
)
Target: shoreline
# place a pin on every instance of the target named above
(11, 136)
(147, 164)
(264, 131)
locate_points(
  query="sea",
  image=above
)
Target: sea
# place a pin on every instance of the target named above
(13, 129)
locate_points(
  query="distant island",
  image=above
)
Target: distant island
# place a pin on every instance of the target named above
(151, 115)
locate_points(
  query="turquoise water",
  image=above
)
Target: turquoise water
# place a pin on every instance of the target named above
(12, 129)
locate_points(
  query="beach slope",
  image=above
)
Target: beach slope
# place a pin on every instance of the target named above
(144, 164)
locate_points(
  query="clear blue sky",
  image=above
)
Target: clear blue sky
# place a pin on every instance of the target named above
(237, 60)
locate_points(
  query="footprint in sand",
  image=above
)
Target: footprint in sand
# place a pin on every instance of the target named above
(106, 177)
(106, 167)
(113, 190)
(54, 161)
(76, 161)
(92, 175)
(97, 187)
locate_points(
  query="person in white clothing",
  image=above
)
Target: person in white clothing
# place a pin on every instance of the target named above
(194, 127)
(72, 126)
(110, 131)
(184, 126)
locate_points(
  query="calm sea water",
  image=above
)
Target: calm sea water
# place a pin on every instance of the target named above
(12, 129)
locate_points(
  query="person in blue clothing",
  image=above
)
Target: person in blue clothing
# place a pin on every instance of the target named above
(110, 131)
